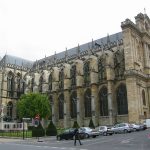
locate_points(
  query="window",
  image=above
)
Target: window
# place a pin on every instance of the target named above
(41, 84)
(61, 106)
(122, 100)
(50, 82)
(32, 84)
(86, 70)
(103, 102)
(87, 103)
(73, 75)
(101, 69)
(73, 104)
(143, 97)
(9, 110)
(61, 79)
(10, 85)
(119, 64)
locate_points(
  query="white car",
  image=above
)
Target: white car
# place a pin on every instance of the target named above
(122, 128)
(88, 132)
(136, 127)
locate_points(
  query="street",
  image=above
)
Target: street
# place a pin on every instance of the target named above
(130, 141)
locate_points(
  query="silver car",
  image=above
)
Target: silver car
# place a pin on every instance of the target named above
(105, 130)
(88, 132)
(122, 128)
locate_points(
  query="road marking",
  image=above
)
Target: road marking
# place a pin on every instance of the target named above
(126, 141)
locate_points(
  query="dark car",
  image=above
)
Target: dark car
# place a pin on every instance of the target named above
(68, 134)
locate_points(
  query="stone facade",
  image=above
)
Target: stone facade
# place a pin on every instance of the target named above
(106, 80)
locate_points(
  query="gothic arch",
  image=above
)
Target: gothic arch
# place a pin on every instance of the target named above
(143, 97)
(73, 105)
(103, 101)
(121, 97)
(61, 106)
(9, 109)
(87, 103)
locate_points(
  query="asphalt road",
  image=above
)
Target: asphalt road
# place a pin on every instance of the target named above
(130, 141)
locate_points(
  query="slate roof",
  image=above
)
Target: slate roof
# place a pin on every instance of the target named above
(13, 60)
(84, 47)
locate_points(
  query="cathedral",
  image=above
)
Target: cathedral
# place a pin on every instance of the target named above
(106, 80)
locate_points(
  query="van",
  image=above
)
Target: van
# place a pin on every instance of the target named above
(147, 123)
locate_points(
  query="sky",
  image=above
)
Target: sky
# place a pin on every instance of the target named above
(34, 29)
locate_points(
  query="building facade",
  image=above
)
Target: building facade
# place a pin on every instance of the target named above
(106, 80)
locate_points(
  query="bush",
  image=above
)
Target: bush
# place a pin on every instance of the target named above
(91, 124)
(51, 129)
(38, 131)
(75, 125)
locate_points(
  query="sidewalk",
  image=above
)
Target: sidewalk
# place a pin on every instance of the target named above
(16, 139)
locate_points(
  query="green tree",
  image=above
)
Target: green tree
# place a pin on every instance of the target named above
(32, 104)
(91, 124)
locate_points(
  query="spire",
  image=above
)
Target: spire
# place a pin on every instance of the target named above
(66, 55)
(92, 46)
(78, 51)
(55, 58)
(108, 40)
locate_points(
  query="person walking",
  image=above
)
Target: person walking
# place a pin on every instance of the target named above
(76, 136)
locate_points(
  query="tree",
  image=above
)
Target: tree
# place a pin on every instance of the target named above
(32, 104)
(38, 131)
(91, 124)
(75, 125)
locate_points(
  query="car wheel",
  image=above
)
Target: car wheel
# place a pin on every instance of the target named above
(125, 131)
(105, 133)
(86, 136)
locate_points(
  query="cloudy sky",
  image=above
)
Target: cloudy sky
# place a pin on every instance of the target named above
(33, 29)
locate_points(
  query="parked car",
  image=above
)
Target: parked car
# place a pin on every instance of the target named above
(68, 134)
(136, 127)
(122, 128)
(105, 130)
(88, 132)
(143, 126)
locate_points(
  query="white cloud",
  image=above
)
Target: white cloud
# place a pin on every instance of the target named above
(34, 28)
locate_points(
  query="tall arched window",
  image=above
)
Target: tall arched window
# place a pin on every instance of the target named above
(61, 106)
(143, 97)
(18, 85)
(61, 79)
(103, 99)
(86, 70)
(101, 69)
(10, 85)
(119, 64)
(9, 110)
(122, 102)
(73, 111)
(73, 75)
(40, 84)
(51, 104)
(87, 103)
(32, 84)
(50, 82)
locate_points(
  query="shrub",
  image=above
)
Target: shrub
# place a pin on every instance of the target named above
(91, 124)
(38, 131)
(75, 125)
(51, 129)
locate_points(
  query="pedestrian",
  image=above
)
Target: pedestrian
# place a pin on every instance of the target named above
(76, 136)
